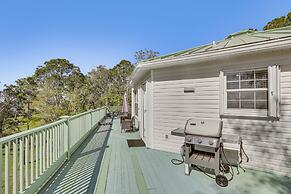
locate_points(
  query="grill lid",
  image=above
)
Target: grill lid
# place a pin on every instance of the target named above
(204, 127)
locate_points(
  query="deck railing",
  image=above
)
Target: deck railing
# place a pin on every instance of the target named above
(28, 159)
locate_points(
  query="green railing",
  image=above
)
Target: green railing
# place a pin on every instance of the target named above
(28, 159)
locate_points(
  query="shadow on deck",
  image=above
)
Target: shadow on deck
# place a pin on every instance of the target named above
(79, 174)
(105, 160)
(146, 171)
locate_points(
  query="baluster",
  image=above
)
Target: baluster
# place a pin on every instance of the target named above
(21, 164)
(64, 136)
(57, 142)
(47, 149)
(54, 144)
(59, 147)
(36, 155)
(98, 115)
(62, 146)
(15, 166)
(26, 161)
(79, 128)
(31, 158)
(58, 150)
(40, 153)
(1, 178)
(7, 168)
(43, 151)
(51, 146)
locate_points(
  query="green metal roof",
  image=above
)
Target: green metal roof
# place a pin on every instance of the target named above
(244, 37)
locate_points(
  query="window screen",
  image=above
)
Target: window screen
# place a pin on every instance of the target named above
(247, 89)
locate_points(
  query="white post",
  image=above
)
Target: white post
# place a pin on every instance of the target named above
(132, 102)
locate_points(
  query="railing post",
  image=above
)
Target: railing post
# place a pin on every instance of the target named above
(67, 136)
(91, 119)
(7, 167)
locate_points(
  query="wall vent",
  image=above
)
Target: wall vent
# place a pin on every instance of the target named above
(189, 90)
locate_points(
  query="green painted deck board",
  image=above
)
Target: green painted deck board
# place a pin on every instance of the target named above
(141, 183)
(140, 170)
(162, 177)
(121, 176)
(102, 177)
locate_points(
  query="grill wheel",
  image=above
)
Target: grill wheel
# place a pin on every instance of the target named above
(221, 180)
(225, 168)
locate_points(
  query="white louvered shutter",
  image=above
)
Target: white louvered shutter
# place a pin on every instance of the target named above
(221, 93)
(274, 91)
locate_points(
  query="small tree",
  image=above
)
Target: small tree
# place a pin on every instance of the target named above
(10, 108)
(279, 22)
(145, 54)
(27, 90)
(98, 85)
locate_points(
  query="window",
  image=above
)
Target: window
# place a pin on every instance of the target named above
(247, 89)
(253, 92)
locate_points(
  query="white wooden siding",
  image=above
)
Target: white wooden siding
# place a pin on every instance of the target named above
(145, 98)
(267, 143)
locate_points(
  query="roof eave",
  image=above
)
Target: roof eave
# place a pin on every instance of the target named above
(272, 45)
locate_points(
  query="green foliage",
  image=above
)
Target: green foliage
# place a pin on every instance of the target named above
(279, 22)
(145, 54)
(98, 80)
(59, 83)
(59, 88)
(107, 86)
(12, 106)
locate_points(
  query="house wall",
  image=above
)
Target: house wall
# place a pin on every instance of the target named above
(144, 102)
(267, 143)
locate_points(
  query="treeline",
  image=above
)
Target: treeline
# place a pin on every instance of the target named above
(278, 22)
(58, 88)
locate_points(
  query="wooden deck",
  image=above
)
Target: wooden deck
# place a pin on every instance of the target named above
(126, 170)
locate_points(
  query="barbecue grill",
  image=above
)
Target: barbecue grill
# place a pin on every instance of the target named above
(203, 148)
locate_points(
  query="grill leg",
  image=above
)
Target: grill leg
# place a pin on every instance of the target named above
(217, 162)
(187, 169)
(187, 166)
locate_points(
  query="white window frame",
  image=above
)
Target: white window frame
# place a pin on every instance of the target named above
(273, 95)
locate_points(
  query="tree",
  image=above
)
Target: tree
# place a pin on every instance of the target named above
(57, 80)
(15, 103)
(98, 86)
(145, 54)
(27, 90)
(10, 108)
(4, 111)
(59, 88)
(279, 22)
(119, 77)
(107, 86)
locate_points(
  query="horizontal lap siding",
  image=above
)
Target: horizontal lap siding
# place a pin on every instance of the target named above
(267, 143)
(172, 107)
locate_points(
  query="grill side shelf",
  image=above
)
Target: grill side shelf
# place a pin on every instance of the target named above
(178, 132)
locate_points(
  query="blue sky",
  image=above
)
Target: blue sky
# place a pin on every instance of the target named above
(89, 33)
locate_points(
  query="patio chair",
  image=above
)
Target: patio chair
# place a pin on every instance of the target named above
(126, 122)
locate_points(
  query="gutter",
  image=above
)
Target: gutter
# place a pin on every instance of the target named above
(271, 45)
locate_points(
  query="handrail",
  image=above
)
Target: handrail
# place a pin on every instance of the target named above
(81, 114)
(36, 154)
(28, 132)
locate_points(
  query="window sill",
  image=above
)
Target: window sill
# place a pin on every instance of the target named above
(248, 115)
